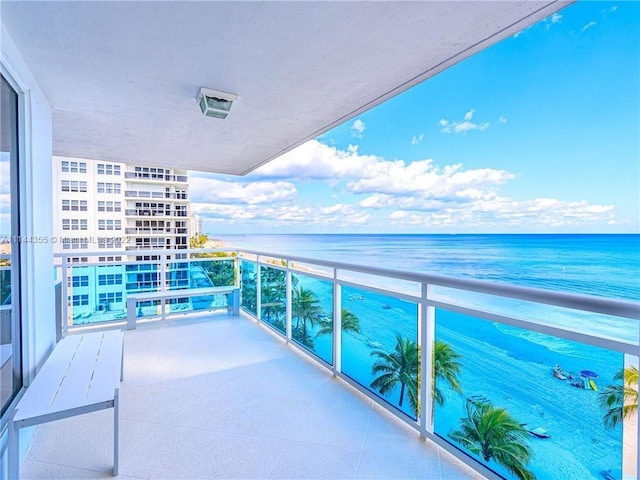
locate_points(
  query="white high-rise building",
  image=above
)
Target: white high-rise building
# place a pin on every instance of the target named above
(195, 225)
(120, 208)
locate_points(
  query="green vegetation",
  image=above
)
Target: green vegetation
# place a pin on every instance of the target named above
(305, 308)
(350, 323)
(445, 368)
(493, 434)
(620, 400)
(398, 367)
(198, 241)
(273, 296)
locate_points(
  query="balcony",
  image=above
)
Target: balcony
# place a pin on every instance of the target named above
(507, 339)
(156, 177)
(219, 397)
(143, 194)
(144, 212)
(155, 231)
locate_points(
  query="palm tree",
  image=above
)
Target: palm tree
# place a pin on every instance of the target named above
(400, 366)
(621, 399)
(349, 320)
(445, 367)
(492, 433)
(306, 307)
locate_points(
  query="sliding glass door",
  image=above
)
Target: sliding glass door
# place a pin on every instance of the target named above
(10, 356)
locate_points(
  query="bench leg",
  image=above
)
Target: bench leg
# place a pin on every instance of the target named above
(13, 452)
(116, 433)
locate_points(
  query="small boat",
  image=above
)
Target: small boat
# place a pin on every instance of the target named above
(612, 474)
(539, 432)
(386, 307)
(478, 400)
(593, 385)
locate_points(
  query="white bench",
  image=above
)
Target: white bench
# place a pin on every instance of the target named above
(163, 296)
(81, 375)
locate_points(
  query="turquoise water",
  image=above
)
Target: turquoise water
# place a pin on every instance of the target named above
(510, 367)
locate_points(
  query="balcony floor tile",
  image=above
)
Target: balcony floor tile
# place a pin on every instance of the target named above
(219, 397)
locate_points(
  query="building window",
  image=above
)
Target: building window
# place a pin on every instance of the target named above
(78, 259)
(74, 205)
(110, 258)
(74, 243)
(109, 224)
(74, 224)
(110, 297)
(74, 167)
(110, 279)
(107, 206)
(80, 281)
(108, 169)
(110, 242)
(80, 300)
(107, 187)
(73, 186)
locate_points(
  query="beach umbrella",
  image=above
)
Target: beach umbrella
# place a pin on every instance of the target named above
(588, 373)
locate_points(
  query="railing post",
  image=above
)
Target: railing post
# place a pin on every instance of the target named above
(258, 289)
(337, 324)
(288, 312)
(65, 296)
(427, 338)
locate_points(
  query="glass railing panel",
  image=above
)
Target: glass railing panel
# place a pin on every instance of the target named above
(273, 287)
(543, 391)
(96, 294)
(148, 309)
(218, 272)
(312, 315)
(391, 284)
(248, 287)
(380, 346)
(579, 321)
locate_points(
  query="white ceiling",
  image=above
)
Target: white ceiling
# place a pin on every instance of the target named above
(122, 76)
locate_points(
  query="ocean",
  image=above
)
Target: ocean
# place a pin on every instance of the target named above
(510, 367)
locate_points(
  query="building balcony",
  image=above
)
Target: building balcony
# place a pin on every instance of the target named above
(155, 231)
(538, 355)
(156, 177)
(143, 194)
(142, 212)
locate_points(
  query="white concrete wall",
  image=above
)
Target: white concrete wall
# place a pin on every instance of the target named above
(37, 276)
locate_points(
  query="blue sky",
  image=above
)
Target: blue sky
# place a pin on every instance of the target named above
(538, 134)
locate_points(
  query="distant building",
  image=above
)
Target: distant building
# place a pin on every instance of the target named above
(195, 225)
(120, 208)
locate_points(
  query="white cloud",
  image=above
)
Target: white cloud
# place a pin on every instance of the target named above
(462, 126)
(317, 161)
(417, 139)
(207, 189)
(367, 191)
(502, 119)
(358, 128)
(589, 25)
